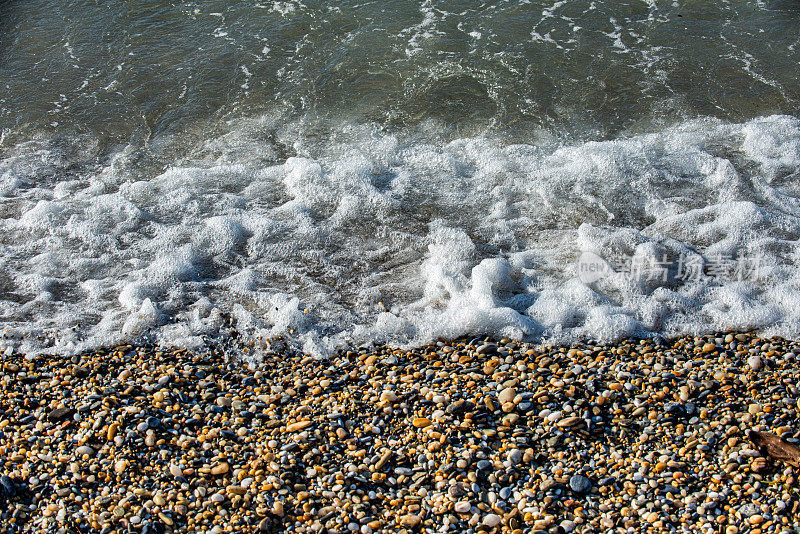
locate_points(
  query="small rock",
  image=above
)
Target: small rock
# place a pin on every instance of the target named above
(487, 348)
(236, 490)
(492, 520)
(112, 431)
(383, 459)
(755, 362)
(220, 469)
(84, 450)
(507, 395)
(567, 526)
(580, 484)
(7, 485)
(60, 414)
(462, 507)
(421, 422)
(298, 426)
(410, 520)
(749, 510)
(569, 422)
(277, 508)
(266, 524)
(456, 491)
(460, 407)
(120, 466)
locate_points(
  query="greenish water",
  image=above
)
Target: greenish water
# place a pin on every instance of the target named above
(354, 172)
(583, 68)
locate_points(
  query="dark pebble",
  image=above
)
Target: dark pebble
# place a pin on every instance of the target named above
(580, 484)
(60, 414)
(8, 486)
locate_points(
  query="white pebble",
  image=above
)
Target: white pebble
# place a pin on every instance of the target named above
(462, 507)
(492, 520)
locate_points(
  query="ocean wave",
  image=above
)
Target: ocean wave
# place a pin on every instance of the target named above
(401, 237)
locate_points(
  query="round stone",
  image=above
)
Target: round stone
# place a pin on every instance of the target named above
(455, 491)
(755, 362)
(514, 456)
(175, 470)
(580, 484)
(507, 395)
(462, 507)
(84, 450)
(120, 466)
(492, 520)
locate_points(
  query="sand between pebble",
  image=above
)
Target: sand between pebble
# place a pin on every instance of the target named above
(460, 437)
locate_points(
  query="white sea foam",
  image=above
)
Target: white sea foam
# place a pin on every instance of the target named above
(399, 238)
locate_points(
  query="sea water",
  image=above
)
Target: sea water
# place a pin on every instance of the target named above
(350, 172)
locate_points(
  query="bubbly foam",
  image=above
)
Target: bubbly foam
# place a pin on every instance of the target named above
(368, 236)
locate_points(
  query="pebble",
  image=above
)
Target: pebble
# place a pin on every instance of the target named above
(410, 520)
(59, 414)
(487, 348)
(277, 508)
(120, 466)
(492, 520)
(7, 485)
(580, 484)
(298, 426)
(569, 422)
(755, 362)
(512, 437)
(507, 395)
(84, 450)
(220, 469)
(421, 422)
(462, 507)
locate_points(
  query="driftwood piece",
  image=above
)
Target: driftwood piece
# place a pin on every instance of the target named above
(775, 448)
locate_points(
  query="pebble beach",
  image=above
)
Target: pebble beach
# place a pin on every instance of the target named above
(475, 435)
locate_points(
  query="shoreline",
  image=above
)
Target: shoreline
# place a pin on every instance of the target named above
(450, 437)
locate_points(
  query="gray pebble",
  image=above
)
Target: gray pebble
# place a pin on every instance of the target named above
(580, 484)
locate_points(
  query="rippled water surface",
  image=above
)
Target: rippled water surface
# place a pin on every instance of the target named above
(347, 172)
